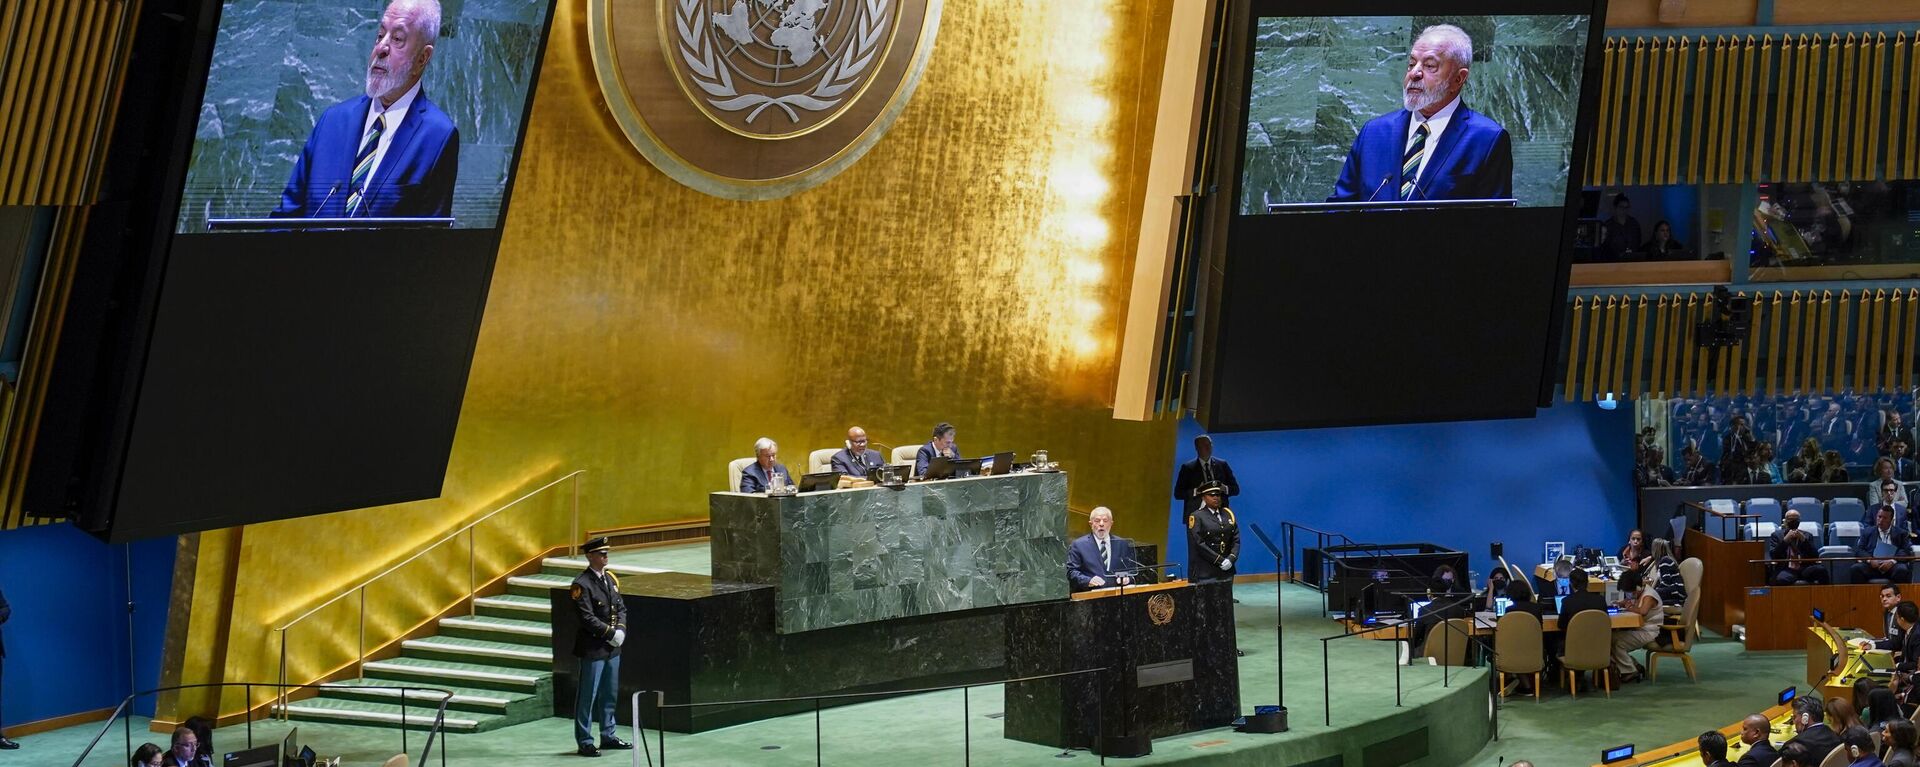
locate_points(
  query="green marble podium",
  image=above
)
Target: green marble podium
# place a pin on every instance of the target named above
(843, 557)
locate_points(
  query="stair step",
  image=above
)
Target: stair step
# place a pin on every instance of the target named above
(514, 606)
(426, 672)
(479, 651)
(385, 714)
(571, 566)
(475, 699)
(537, 585)
(525, 632)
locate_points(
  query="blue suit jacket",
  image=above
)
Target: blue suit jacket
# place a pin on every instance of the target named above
(1083, 560)
(926, 455)
(1472, 161)
(414, 180)
(754, 479)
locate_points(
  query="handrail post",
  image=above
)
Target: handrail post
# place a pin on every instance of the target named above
(248, 712)
(403, 718)
(966, 727)
(816, 732)
(360, 652)
(573, 542)
(470, 571)
(282, 697)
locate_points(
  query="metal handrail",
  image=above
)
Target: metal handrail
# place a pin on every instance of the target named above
(660, 703)
(467, 529)
(120, 711)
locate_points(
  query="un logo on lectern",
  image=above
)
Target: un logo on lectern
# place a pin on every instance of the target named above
(1160, 609)
(758, 99)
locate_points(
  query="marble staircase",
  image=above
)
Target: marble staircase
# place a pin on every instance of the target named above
(498, 663)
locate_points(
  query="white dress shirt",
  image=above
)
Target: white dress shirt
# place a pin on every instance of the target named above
(1436, 125)
(396, 113)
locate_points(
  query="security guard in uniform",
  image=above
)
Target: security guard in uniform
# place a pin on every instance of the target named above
(603, 628)
(1213, 537)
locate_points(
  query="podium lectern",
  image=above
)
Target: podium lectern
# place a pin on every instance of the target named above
(1169, 653)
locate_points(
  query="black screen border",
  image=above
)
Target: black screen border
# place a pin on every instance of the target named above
(1238, 36)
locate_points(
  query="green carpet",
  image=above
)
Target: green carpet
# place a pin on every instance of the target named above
(930, 729)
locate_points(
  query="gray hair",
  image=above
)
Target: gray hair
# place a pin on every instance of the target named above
(762, 445)
(1452, 42)
(1098, 509)
(424, 17)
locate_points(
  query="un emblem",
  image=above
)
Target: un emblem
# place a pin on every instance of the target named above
(1160, 609)
(758, 99)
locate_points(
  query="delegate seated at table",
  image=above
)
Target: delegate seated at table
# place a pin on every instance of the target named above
(1793, 549)
(1881, 540)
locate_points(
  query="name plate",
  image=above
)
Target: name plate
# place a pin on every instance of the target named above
(1168, 672)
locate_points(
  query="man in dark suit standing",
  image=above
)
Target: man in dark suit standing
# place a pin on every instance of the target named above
(856, 459)
(6, 612)
(603, 629)
(1881, 540)
(1203, 470)
(1894, 637)
(1810, 721)
(1213, 538)
(1093, 558)
(765, 473)
(1435, 148)
(1754, 731)
(390, 152)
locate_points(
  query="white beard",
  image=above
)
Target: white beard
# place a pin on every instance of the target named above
(1425, 98)
(400, 72)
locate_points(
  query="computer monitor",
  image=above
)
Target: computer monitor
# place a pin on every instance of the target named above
(1500, 605)
(290, 747)
(826, 480)
(1414, 608)
(997, 464)
(942, 467)
(260, 756)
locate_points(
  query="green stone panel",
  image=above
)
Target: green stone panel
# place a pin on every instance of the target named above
(845, 557)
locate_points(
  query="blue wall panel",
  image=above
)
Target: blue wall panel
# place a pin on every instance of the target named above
(67, 643)
(1565, 476)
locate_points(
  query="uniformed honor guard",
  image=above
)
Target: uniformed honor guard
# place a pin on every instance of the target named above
(1213, 537)
(603, 628)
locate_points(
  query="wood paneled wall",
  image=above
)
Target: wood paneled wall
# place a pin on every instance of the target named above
(60, 68)
(1810, 342)
(1686, 109)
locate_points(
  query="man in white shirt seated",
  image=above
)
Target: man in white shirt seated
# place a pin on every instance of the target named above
(1092, 559)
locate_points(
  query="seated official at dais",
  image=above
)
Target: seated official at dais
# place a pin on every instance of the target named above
(765, 473)
(1798, 562)
(941, 445)
(856, 459)
(1092, 559)
(1882, 540)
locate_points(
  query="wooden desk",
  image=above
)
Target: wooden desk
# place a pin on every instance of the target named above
(1483, 625)
(1114, 591)
(1776, 616)
(1686, 753)
(1544, 572)
(1724, 578)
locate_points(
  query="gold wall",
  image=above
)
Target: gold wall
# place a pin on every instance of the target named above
(972, 268)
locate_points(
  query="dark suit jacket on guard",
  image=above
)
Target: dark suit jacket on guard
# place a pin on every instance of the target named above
(1083, 560)
(1472, 161)
(414, 179)
(602, 611)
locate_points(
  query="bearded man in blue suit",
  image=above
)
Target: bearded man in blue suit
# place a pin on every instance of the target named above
(390, 152)
(1436, 148)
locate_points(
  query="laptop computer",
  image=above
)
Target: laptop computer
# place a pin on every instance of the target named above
(942, 467)
(1500, 605)
(826, 480)
(997, 464)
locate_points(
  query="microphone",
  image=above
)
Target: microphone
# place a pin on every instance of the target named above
(1376, 190)
(324, 200)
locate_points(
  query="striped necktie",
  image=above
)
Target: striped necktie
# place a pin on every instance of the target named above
(1106, 559)
(363, 164)
(1410, 167)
